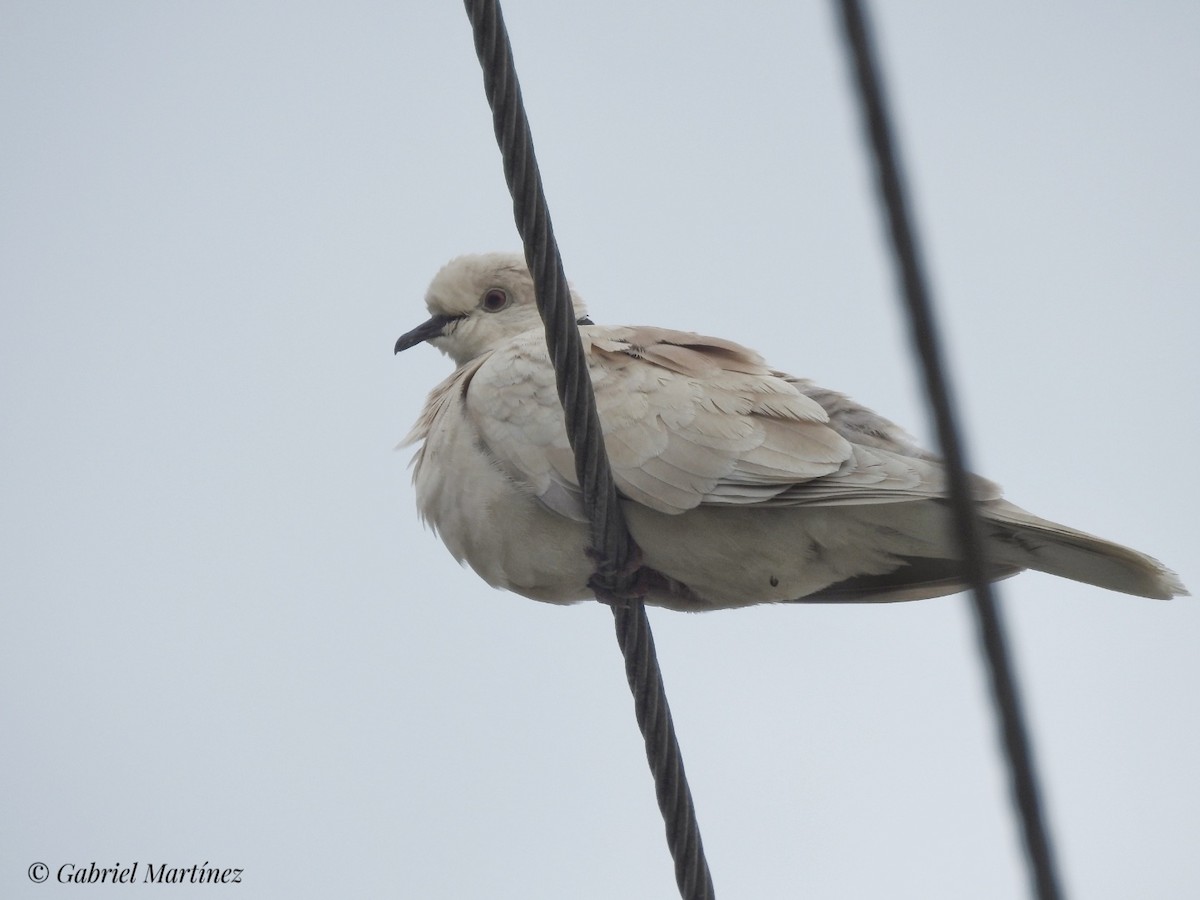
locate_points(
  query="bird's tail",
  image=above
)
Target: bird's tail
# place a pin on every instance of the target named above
(1019, 538)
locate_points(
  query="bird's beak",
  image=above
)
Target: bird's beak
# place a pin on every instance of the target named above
(435, 327)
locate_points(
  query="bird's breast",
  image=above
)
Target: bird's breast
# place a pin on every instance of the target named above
(490, 520)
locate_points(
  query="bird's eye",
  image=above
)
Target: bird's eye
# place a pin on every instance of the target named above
(494, 300)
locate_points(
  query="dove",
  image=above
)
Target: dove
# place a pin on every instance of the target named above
(740, 484)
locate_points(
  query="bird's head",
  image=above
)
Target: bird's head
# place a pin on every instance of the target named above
(478, 302)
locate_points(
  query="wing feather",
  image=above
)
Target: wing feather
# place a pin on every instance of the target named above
(691, 420)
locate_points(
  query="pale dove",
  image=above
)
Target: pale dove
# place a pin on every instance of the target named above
(740, 484)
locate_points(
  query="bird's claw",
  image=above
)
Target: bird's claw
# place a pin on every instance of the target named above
(618, 585)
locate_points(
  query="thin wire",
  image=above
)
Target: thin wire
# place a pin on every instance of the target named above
(612, 546)
(924, 334)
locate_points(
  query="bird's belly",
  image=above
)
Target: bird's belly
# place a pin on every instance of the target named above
(731, 556)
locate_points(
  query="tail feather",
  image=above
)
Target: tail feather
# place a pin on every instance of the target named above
(1022, 539)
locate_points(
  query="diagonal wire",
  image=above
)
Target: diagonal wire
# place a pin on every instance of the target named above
(1005, 695)
(612, 546)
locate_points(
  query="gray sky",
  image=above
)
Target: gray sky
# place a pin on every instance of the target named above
(229, 639)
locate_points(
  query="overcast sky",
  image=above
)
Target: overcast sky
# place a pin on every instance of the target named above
(228, 639)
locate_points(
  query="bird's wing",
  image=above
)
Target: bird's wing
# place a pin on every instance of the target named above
(691, 420)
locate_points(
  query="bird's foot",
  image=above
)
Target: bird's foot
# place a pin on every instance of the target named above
(619, 585)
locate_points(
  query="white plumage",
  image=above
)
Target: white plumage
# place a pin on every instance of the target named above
(740, 484)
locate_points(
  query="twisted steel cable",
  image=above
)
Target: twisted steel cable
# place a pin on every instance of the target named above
(927, 345)
(612, 546)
